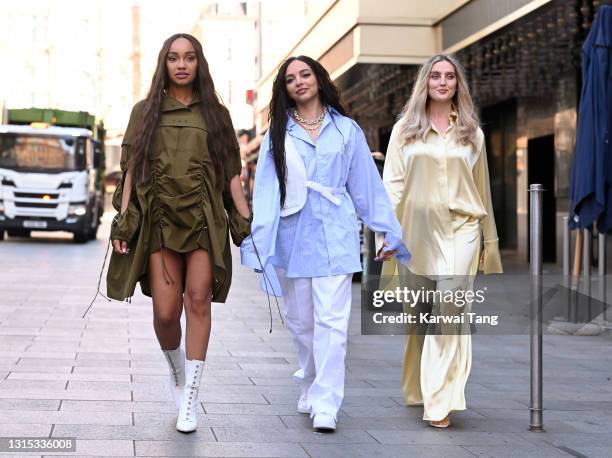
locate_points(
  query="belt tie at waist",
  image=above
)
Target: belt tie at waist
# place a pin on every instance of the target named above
(327, 191)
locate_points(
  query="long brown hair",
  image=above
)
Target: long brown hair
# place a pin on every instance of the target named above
(329, 94)
(221, 137)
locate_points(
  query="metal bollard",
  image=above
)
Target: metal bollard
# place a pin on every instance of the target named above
(601, 271)
(587, 259)
(535, 238)
(566, 264)
(587, 252)
(566, 246)
(601, 254)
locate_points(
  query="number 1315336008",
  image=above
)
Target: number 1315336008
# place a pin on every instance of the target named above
(37, 444)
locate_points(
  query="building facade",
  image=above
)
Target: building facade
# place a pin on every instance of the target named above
(523, 62)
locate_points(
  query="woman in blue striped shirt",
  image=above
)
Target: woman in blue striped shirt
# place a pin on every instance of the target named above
(315, 175)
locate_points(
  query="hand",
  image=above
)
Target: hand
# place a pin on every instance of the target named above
(120, 246)
(384, 255)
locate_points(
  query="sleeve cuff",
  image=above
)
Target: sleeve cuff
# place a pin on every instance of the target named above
(240, 227)
(126, 225)
(396, 243)
(492, 259)
(248, 257)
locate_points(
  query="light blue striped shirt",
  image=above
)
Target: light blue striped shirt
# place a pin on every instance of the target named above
(321, 239)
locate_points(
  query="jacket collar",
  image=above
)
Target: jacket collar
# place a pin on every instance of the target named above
(169, 103)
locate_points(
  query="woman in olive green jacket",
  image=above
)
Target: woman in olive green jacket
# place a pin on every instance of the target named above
(179, 193)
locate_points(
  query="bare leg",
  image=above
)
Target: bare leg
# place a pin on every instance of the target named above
(197, 298)
(167, 300)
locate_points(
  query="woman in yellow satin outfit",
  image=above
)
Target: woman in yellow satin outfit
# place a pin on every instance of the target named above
(437, 178)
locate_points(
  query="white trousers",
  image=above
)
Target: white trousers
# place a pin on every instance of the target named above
(317, 314)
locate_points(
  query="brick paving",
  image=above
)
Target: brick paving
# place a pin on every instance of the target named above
(101, 379)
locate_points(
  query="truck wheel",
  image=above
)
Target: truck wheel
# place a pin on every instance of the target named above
(1, 234)
(81, 236)
(18, 232)
(93, 233)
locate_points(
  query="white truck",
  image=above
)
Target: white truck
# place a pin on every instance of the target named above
(51, 175)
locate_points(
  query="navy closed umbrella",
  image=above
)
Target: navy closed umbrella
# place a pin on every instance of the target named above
(591, 181)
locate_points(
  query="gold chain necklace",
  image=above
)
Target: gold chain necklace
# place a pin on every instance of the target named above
(311, 128)
(309, 122)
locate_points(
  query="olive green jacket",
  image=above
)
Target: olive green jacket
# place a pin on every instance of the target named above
(181, 133)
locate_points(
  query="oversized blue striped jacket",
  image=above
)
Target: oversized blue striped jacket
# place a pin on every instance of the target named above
(322, 239)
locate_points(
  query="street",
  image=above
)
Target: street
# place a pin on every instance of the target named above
(101, 379)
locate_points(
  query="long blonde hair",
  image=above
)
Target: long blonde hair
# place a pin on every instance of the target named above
(414, 122)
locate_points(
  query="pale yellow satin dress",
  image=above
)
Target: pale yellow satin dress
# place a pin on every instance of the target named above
(440, 191)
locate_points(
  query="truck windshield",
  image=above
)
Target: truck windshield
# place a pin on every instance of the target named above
(39, 153)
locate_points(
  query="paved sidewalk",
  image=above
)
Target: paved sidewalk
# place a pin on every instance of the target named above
(101, 379)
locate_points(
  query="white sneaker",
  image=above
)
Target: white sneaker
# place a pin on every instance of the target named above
(324, 422)
(303, 404)
(187, 420)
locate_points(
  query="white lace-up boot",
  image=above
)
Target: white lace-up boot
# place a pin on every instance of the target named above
(176, 365)
(187, 418)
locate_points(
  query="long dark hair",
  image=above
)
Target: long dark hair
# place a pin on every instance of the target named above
(221, 138)
(329, 95)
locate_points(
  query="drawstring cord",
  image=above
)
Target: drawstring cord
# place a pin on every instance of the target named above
(266, 281)
(167, 275)
(98, 292)
(165, 272)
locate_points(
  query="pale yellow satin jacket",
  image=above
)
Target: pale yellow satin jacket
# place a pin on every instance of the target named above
(431, 182)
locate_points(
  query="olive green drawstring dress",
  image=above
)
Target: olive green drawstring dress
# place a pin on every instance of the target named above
(179, 207)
